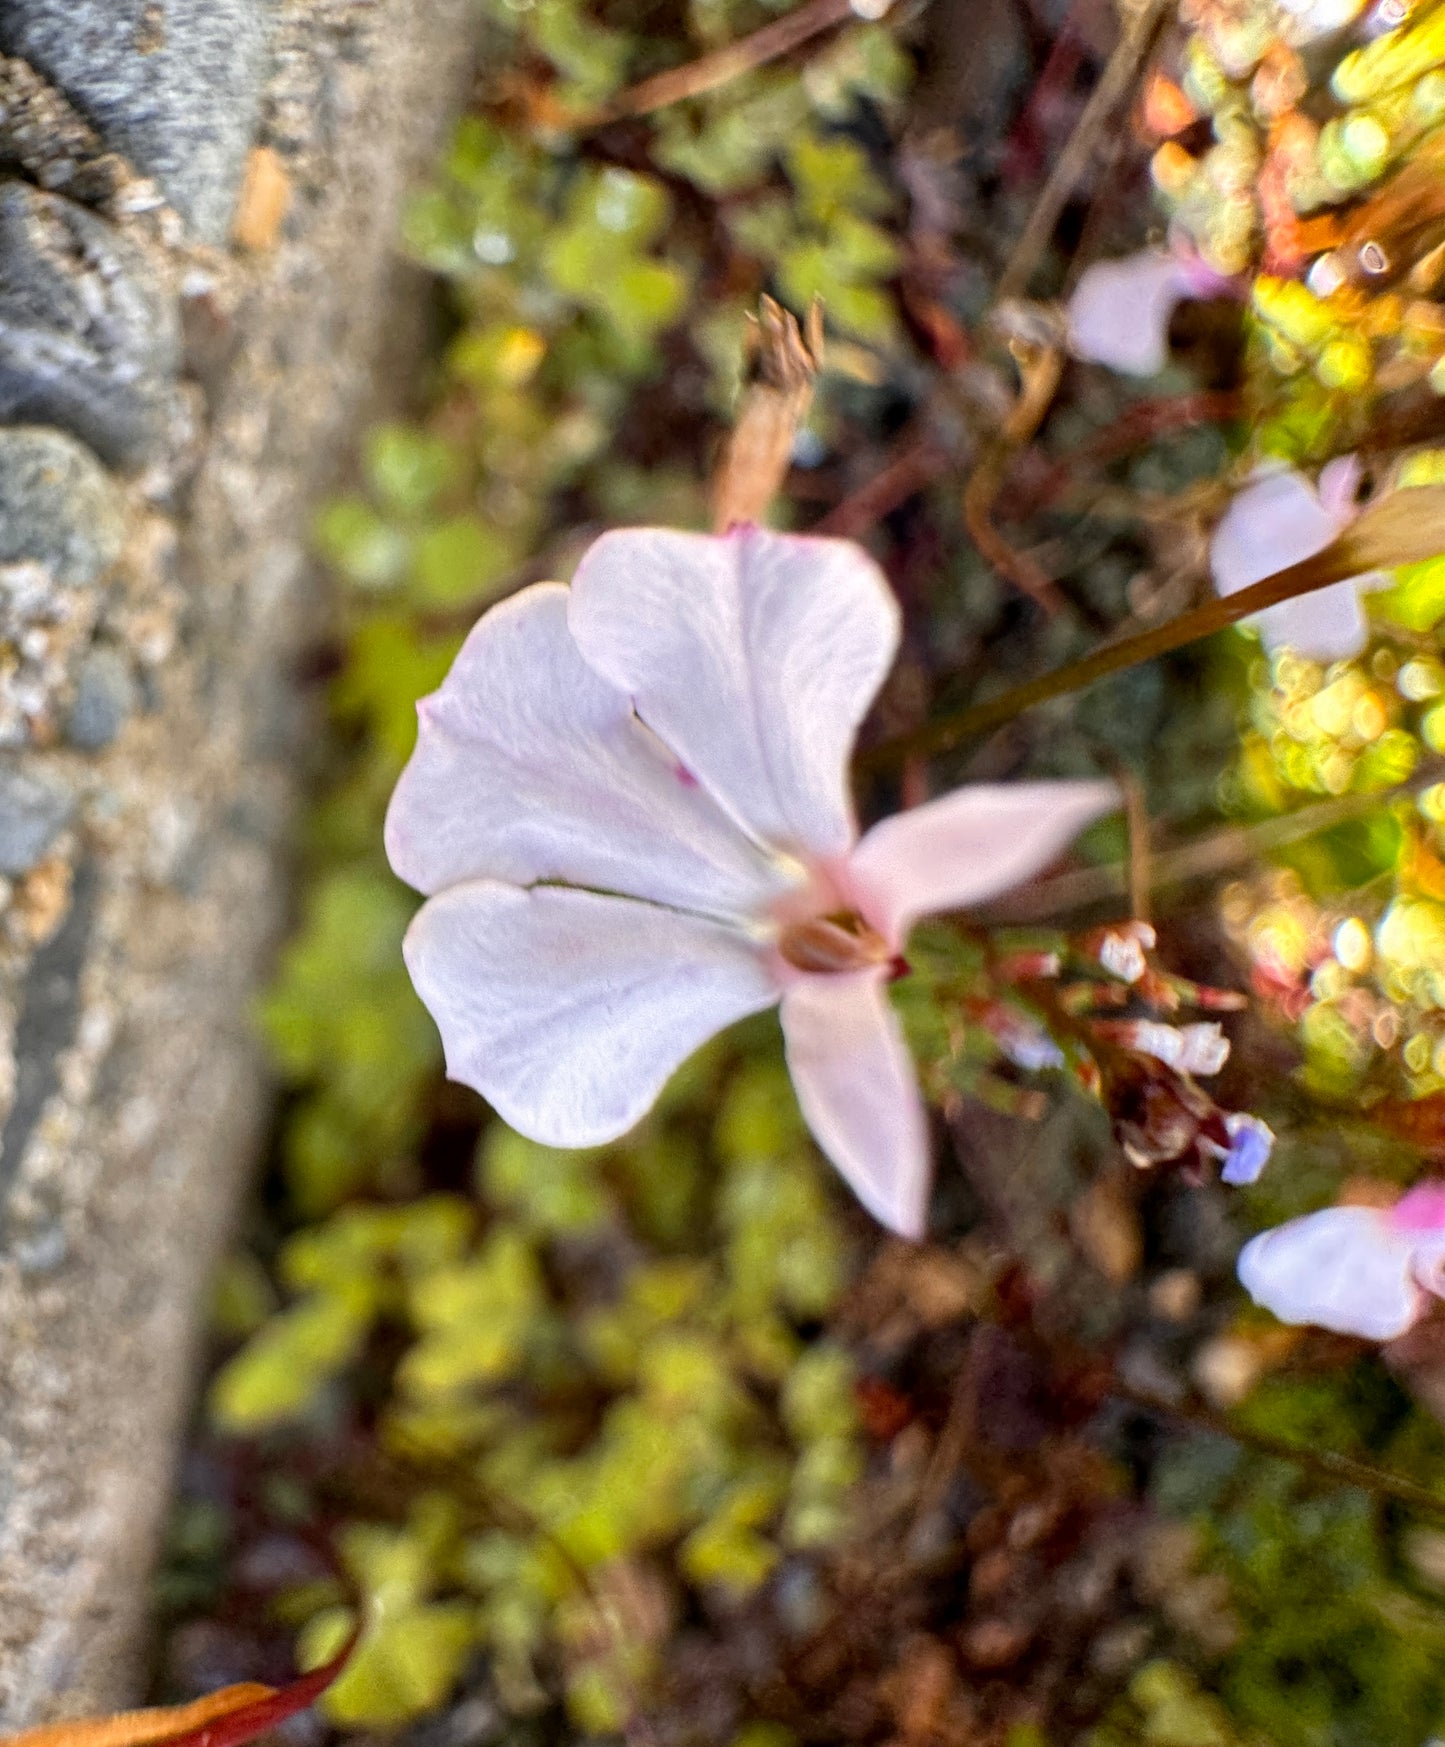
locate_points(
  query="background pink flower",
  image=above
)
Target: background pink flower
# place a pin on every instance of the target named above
(1279, 519)
(1120, 310)
(1357, 1270)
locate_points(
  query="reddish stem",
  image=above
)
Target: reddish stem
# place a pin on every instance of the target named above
(917, 465)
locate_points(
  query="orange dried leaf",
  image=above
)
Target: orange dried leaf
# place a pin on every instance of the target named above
(228, 1718)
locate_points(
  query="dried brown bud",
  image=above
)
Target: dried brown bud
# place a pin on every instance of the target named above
(780, 365)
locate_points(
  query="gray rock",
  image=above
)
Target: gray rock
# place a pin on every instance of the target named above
(41, 1250)
(89, 332)
(58, 507)
(34, 809)
(105, 696)
(174, 84)
(49, 1014)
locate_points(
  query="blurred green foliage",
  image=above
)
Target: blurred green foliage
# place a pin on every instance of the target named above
(1349, 932)
(1341, 1639)
(1166, 1707)
(597, 1361)
(597, 1379)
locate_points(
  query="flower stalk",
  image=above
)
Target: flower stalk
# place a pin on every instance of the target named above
(1406, 527)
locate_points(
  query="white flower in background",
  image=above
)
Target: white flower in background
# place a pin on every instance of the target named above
(1279, 519)
(1357, 1270)
(629, 806)
(1188, 1049)
(1120, 311)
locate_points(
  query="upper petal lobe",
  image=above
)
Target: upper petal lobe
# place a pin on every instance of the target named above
(567, 1010)
(530, 767)
(859, 1093)
(967, 847)
(1119, 313)
(753, 655)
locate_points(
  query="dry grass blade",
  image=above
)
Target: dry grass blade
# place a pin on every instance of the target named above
(1040, 368)
(1404, 527)
(1206, 857)
(736, 58)
(1139, 33)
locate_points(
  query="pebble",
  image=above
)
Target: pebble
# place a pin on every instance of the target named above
(58, 507)
(34, 809)
(105, 696)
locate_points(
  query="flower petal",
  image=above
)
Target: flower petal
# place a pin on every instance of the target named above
(968, 846)
(568, 1010)
(753, 655)
(1328, 625)
(1119, 313)
(858, 1091)
(1344, 1269)
(530, 767)
(1339, 487)
(1421, 1209)
(1279, 519)
(1274, 521)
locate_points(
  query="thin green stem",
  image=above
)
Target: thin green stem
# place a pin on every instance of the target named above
(1326, 1465)
(1205, 857)
(1403, 528)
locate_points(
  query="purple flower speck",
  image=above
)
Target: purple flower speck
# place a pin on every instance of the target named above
(1250, 1144)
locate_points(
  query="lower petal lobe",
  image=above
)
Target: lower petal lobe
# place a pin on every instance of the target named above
(569, 1010)
(859, 1092)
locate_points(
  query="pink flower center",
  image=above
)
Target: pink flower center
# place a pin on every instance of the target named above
(824, 925)
(840, 942)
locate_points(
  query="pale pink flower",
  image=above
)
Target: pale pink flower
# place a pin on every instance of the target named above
(1357, 1270)
(1120, 311)
(629, 802)
(1279, 519)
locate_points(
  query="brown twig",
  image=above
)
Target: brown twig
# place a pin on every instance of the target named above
(920, 461)
(1141, 423)
(1040, 367)
(1404, 528)
(1333, 1469)
(950, 1447)
(780, 365)
(1123, 64)
(735, 58)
